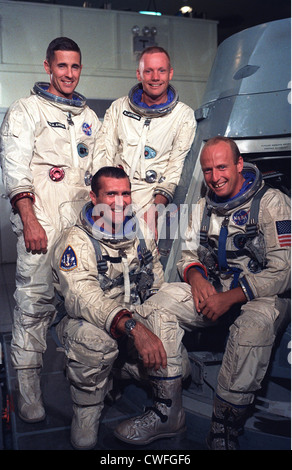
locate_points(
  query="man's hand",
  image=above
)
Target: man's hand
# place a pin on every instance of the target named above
(148, 345)
(201, 288)
(208, 301)
(216, 305)
(35, 237)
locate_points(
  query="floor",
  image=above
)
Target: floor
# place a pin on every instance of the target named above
(263, 431)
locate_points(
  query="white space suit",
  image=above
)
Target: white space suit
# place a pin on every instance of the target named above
(95, 299)
(150, 144)
(252, 334)
(47, 152)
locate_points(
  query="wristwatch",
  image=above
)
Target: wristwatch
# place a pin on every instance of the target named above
(130, 325)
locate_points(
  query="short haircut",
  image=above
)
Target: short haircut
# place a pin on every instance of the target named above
(108, 172)
(61, 44)
(227, 140)
(154, 50)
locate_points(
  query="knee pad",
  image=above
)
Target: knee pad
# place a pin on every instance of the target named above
(89, 345)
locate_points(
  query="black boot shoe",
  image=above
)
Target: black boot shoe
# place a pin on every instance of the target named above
(227, 423)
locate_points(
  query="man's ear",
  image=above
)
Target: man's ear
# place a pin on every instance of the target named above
(93, 198)
(240, 164)
(138, 75)
(47, 67)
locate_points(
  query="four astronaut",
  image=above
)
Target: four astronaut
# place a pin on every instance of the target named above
(71, 183)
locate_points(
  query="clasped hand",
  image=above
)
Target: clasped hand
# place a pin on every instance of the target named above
(208, 301)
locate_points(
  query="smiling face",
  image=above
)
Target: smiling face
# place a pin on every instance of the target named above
(154, 73)
(64, 71)
(114, 196)
(222, 174)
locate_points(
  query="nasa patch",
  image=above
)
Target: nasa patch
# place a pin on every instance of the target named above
(68, 260)
(87, 129)
(240, 217)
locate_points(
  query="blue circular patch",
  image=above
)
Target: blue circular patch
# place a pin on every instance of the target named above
(82, 150)
(240, 217)
(239, 241)
(149, 153)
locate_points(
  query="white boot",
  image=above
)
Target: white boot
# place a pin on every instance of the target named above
(84, 426)
(165, 419)
(30, 404)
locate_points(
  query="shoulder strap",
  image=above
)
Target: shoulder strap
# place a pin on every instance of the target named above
(205, 225)
(100, 260)
(147, 256)
(251, 228)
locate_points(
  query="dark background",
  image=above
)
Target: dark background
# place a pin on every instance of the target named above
(232, 15)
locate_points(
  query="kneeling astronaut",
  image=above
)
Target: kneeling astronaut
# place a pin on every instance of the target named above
(103, 267)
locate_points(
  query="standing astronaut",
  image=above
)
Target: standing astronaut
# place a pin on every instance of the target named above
(47, 150)
(149, 132)
(237, 253)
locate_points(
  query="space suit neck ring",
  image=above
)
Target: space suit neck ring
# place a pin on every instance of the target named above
(242, 198)
(40, 89)
(96, 232)
(153, 112)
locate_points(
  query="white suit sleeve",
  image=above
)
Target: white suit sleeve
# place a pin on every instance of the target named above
(275, 224)
(17, 144)
(181, 146)
(190, 243)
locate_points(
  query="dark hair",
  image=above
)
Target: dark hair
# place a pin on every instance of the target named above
(154, 50)
(108, 172)
(61, 44)
(227, 140)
